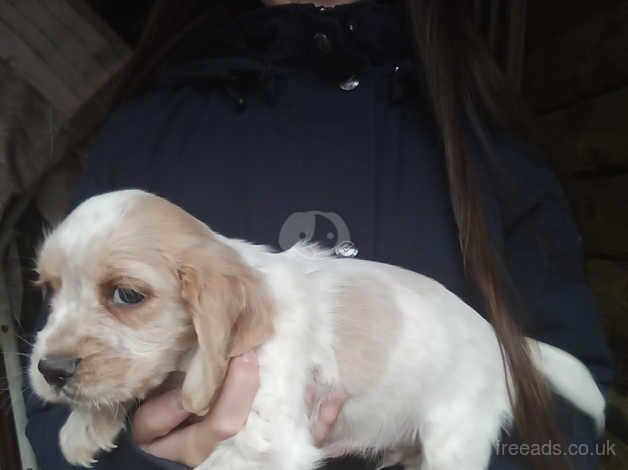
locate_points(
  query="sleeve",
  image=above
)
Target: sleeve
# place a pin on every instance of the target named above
(543, 253)
(45, 420)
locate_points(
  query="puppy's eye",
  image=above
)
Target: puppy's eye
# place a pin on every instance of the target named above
(124, 296)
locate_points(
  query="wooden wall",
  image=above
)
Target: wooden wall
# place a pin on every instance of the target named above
(57, 63)
(576, 79)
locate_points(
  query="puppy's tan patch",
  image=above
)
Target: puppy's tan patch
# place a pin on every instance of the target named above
(367, 326)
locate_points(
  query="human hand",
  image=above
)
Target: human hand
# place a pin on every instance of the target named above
(155, 423)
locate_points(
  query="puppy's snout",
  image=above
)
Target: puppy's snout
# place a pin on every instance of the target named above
(58, 370)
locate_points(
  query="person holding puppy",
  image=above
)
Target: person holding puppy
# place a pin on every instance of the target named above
(383, 121)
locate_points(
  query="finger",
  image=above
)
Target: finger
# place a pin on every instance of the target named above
(182, 446)
(193, 444)
(157, 417)
(233, 406)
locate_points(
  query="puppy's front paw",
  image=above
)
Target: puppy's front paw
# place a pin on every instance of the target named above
(84, 435)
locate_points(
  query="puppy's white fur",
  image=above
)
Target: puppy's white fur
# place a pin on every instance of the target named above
(420, 368)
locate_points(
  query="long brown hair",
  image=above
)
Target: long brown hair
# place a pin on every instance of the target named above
(461, 83)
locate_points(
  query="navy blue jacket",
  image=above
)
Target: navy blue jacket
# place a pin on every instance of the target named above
(317, 132)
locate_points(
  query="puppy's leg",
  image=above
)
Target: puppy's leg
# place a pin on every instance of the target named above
(465, 446)
(409, 456)
(85, 433)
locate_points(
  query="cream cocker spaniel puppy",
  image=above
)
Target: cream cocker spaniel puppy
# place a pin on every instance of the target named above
(139, 289)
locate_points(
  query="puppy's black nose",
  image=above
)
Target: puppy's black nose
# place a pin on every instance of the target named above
(58, 370)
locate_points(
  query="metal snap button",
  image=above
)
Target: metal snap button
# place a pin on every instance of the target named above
(346, 249)
(350, 83)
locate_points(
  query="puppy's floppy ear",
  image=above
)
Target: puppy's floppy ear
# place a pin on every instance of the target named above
(231, 312)
(255, 314)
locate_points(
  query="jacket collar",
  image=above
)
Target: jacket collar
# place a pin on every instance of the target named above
(255, 47)
(341, 39)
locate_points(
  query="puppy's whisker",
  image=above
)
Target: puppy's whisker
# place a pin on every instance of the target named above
(15, 353)
(24, 340)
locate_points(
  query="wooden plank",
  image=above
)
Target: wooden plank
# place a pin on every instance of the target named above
(106, 35)
(30, 66)
(600, 209)
(57, 63)
(66, 59)
(29, 141)
(550, 19)
(60, 48)
(589, 138)
(584, 62)
(77, 52)
(609, 282)
(618, 407)
(84, 25)
(618, 458)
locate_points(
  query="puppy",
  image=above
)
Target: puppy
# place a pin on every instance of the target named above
(138, 289)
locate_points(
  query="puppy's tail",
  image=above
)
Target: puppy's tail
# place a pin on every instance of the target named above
(571, 379)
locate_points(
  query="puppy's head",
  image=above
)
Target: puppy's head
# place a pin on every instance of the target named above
(138, 288)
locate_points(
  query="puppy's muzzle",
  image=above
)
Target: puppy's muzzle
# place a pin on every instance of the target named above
(57, 371)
